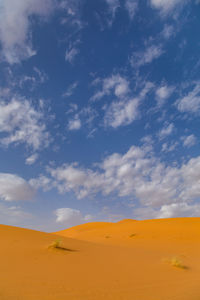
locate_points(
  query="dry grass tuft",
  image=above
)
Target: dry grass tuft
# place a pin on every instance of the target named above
(57, 245)
(176, 262)
(132, 235)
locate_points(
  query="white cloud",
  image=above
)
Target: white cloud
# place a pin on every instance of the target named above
(179, 210)
(125, 111)
(70, 89)
(168, 6)
(115, 84)
(136, 175)
(166, 130)
(174, 210)
(149, 54)
(168, 31)
(74, 124)
(191, 101)
(163, 93)
(189, 141)
(15, 27)
(31, 159)
(13, 215)
(21, 123)
(41, 181)
(168, 147)
(121, 113)
(71, 54)
(71, 216)
(131, 6)
(14, 188)
(113, 5)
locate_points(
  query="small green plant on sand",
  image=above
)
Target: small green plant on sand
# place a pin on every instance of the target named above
(132, 235)
(176, 262)
(57, 244)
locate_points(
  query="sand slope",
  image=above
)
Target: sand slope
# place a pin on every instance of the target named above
(124, 260)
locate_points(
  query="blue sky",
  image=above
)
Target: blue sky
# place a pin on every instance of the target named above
(99, 111)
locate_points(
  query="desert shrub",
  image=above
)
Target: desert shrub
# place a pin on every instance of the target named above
(176, 262)
(56, 244)
(132, 235)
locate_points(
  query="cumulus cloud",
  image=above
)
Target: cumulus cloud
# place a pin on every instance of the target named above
(15, 27)
(125, 111)
(174, 210)
(168, 147)
(14, 188)
(190, 102)
(22, 123)
(74, 124)
(31, 159)
(146, 56)
(41, 181)
(71, 216)
(162, 93)
(115, 84)
(189, 141)
(137, 175)
(166, 130)
(121, 113)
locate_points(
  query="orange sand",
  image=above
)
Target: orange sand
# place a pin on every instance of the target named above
(125, 260)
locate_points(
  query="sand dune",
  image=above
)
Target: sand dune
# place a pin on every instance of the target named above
(140, 260)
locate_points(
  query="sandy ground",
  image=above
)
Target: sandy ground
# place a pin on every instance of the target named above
(137, 260)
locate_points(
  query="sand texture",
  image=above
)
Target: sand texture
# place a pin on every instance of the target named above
(136, 260)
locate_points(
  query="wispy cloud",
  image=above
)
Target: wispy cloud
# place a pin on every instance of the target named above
(71, 54)
(70, 90)
(166, 7)
(13, 215)
(146, 56)
(131, 6)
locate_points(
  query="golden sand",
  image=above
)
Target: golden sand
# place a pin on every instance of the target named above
(136, 260)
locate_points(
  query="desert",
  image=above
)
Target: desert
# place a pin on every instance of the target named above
(143, 260)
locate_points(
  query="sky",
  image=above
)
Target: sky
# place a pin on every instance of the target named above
(99, 111)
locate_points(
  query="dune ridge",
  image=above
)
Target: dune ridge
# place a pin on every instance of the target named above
(141, 260)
